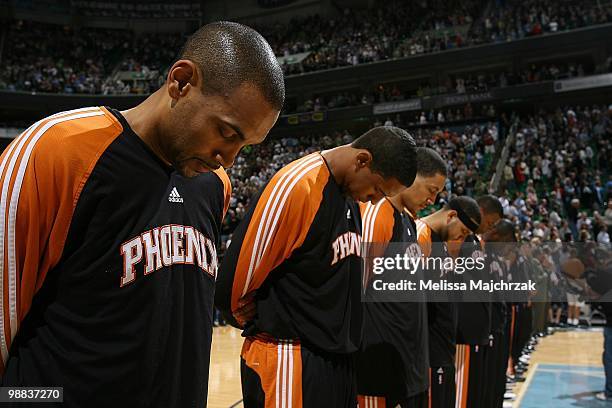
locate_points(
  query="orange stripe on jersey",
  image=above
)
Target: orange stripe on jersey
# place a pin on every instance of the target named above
(280, 222)
(367, 401)
(278, 363)
(462, 374)
(42, 173)
(424, 237)
(227, 188)
(378, 222)
(429, 390)
(512, 326)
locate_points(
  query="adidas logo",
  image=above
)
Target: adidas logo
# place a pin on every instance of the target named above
(174, 196)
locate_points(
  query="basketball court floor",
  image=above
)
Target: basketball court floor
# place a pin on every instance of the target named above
(565, 371)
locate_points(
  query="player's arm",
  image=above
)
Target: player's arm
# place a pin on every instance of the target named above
(42, 175)
(275, 225)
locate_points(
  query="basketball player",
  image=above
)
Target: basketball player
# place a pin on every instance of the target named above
(473, 322)
(522, 329)
(498, 243)
(296, 258)
(392, 364)
(109, 227)
(458, 218)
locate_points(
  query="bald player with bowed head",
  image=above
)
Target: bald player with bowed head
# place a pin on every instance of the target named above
(110, 222)
(296, 258)
(225, 92)
(393, 363)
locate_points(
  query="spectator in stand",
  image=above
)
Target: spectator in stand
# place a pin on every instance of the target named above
(78, 66)
(570, 186)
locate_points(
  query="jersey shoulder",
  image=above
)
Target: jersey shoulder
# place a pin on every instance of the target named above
(378, 221)
(71, 140)
(301, 179)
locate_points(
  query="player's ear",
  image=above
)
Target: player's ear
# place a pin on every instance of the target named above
(183, 76)
(452, 214)
(364, 158)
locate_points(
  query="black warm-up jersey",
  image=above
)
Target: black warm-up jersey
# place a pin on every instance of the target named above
(393, 360)
(473, 318)
(110, 263)
(498, 272)
(441, 316)
(520, 272)
(298, 249)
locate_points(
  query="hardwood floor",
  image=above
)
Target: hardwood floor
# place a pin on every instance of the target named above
(579, 348)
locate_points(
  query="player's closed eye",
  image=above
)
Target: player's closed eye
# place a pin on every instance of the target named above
(227, 134)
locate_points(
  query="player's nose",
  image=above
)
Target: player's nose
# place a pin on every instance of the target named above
(226, 159)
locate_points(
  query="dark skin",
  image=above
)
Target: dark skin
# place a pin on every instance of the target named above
(194, 131)
(505, 243)
(487, 222)
(447, 224)
(350, 168)
(421, 194)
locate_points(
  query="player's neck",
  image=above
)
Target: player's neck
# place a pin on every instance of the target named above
(396, 202)
(144, 121)
(435, 221)
(336, 160)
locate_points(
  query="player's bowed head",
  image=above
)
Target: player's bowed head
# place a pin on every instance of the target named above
(224, 92)
(491, 210)
(380, 163)
(429, 182)
(503, 236)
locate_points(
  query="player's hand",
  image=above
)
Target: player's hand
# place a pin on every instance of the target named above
(246, 309)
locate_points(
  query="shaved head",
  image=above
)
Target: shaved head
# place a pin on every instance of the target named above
(231, 54)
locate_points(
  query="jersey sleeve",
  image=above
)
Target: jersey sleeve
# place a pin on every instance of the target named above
(42, 174)
(378, 223)
(275, 225)
(424, 237)
(227, 189)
